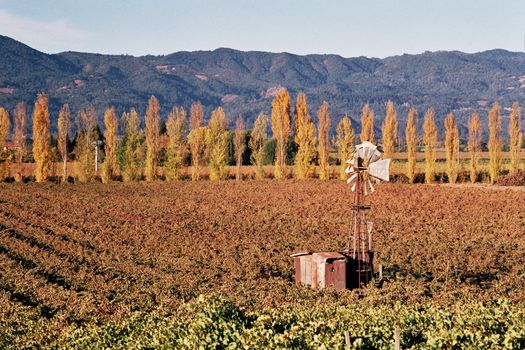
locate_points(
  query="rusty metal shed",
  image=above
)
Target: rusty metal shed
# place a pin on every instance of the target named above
(332, 270)
(321, 270)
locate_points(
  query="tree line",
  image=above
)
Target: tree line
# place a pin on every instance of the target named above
(137, 152)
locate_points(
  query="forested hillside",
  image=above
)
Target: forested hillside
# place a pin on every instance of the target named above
(246, 82)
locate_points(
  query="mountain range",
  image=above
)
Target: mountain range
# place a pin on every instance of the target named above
(246, 82)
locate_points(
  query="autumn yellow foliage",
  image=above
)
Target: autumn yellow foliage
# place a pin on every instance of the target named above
(430, 141)
(258, 139)
(451, 147)
(19, 138)
(411, 142)
(345, 143)
(5, 126)
(64, 124)
(110, 145)
(281, 130)
(495, 143)
(323, 116)
(86, 121)
(217, 145)
(515, 137)
(389, 130)
(41, 138)
(132, 146)
(176, 150)
(367, 124)
(152, 138)
(196, 139)
(239, 145)
(304, 138)
(474, 145)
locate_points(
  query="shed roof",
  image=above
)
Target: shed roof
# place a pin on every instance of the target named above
(301, 254)
(328, 256)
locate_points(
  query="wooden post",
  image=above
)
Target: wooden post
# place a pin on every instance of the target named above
(347, 339)
(64, 169)
(96, 158)
(397, 342)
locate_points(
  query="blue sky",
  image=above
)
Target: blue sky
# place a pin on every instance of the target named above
(376, 28)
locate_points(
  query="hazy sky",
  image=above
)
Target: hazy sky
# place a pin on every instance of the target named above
(376, 28)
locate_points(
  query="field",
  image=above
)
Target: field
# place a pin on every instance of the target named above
(191, 264)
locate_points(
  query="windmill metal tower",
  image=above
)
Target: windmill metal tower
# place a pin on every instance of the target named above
(363, 167)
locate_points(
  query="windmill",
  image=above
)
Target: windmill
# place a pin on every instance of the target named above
(364, 168)
(352, 267)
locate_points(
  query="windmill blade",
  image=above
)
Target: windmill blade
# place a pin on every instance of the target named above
(349, 170)
(380, 169)
(371, 153)
(362, 151)
(352, 179)
(365, 150)
(375, 156)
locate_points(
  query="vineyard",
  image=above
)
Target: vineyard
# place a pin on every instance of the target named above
(207, 265)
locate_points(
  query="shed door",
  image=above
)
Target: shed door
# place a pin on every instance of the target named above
(339, 274)
(329, 275)
(335, 274)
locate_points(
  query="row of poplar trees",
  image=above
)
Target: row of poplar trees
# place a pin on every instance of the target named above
(451, 142)
(209, 144)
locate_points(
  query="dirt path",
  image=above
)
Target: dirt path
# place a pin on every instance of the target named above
(481, 186)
